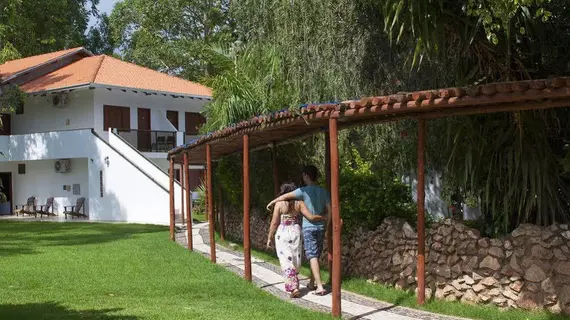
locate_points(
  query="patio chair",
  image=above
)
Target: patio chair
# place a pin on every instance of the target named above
(47, 209)
(78, 210)
(160, 144)
(28, 208)
(170, 142)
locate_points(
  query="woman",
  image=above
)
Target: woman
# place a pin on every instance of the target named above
(287, 231)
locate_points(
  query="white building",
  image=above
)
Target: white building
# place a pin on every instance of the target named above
(110, 120)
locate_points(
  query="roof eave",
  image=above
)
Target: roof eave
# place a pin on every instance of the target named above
(19, 73)
(165, 93)
(86, 85)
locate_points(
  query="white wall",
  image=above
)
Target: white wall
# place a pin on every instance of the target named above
(42, 182)
(40, 116)
(158, 120)
(141, 161)
(129, 195)
(158, 104)
(49, 145)
(85, 110)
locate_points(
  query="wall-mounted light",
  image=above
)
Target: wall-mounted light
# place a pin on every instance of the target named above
(107, 161)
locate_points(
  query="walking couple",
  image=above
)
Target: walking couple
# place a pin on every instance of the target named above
(313, 203)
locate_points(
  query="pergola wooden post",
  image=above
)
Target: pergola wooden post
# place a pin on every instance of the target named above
(171, 194)
(182, 212)
(246, 198)
(336, 223)
(421, 211)
(186, 173)
(328, 182)
(211, 219)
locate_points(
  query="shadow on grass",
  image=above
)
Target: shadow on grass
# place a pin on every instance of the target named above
(52, 310)
(28, 237)
(396, 303)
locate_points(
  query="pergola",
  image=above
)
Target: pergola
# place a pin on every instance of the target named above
(268, 131)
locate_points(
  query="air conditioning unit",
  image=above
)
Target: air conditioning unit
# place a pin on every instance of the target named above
(63, 165)
(59, 100)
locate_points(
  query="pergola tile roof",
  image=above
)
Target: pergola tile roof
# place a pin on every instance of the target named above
(288, 124)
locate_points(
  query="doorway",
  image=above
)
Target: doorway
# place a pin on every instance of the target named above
(6, 188)
(193, 122)
(143, 135)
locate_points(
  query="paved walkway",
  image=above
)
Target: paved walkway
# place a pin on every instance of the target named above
(267, 276)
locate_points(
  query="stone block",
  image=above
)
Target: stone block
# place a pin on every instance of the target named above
(489, 281)
(534, 274)
(528, 301)
(468, 280)
(490, 262)
(541, 253)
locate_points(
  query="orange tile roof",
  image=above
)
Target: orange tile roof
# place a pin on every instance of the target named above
(10, 68)
(106, 70)
(116, 72)
(77, 73)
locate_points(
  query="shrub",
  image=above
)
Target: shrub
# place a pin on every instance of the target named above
(199, 205)
(368, 197)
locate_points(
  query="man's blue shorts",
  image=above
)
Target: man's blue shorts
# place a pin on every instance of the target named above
(313, 241)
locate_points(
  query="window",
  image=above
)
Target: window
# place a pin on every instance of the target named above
(193, 122)
(172, 116)
(21, 168)
(116, 118)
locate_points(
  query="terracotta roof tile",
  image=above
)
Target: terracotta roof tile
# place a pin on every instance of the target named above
(10, 68)
(77, 73)
(124, 74)
(105, 70)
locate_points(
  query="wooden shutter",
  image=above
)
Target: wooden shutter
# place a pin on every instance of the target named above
(193, 122)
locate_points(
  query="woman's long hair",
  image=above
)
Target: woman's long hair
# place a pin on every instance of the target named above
(286, 188)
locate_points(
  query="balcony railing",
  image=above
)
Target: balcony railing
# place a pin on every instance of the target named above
(150, 140)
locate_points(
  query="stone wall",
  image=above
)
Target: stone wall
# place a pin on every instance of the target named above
(529, 268)
(259, 227)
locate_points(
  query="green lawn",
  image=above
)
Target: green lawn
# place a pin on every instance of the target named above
(408, 299)
(199, 217)
(119, 271)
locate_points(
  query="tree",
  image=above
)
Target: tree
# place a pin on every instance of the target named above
(32, 27)
(39, 26)
(340, 49)
(99, 39)
(254, 83)
(171, 35)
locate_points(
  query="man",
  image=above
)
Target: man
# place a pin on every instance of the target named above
(317, 201)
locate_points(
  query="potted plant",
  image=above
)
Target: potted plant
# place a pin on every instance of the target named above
(471, 210)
